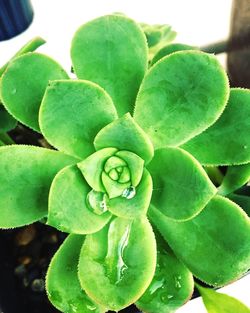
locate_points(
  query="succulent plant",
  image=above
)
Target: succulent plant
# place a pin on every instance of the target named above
(135, 175)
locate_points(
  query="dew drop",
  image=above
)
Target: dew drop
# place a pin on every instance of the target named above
(245, 146)
(13, 91)
(165, 298)
(97, 202)
(129, 192)
(177, 282)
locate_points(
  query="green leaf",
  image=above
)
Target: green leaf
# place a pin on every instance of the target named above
(69, 210)
(7, 122)
(227, 142)
(135, 165)
(172, 285)
(242, 200)
(113, 188)
(24, 83)
(170, 48)
(116, 265)
(30, 46)
(62, 284)
(181, 186)
(216, 302)
(181, 96)
(71, 114)
(125, 134)
(112, 52)
(214, 245)
(236, 176)
(138, 205)
(92, 167)
(26, 173)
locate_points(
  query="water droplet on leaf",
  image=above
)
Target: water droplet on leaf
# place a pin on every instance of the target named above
(129, 192)
(97, 202)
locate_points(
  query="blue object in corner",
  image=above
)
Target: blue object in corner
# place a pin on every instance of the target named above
(15, 17)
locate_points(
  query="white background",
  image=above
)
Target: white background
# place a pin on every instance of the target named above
(198, 22)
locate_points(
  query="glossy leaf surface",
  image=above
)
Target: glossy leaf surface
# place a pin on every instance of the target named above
(138, 205)
(216, 302)
(72, 113)
(181, 186)
(26, 173)
(180, 97)
(24, 83)
(214, 245)
(227, 142)
(125, 134)
(116, 266)
(236, 176)
(69, 209)
(171, 286)
(112, 52)
(62, 284)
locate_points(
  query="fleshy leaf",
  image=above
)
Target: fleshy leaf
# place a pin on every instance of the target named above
(69, 210)
(7, 122)
(181, 96)
(71, 114)
(116, 265)
(214, 245)
(112, 187)
(172, 285)
(181, 186)
(242, 200)
(26, 173)
(30, 46)
(24, 83)
(236, 176)
(170, 48)
(93, 166)
(112, 52)
(138, 205)
(125, 134)
(135, 165)
(216, 302)
(62, 284)
(227, 142)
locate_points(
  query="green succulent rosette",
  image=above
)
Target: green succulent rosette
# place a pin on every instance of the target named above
(131, 146)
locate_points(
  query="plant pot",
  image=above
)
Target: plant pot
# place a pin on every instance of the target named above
(15, 17)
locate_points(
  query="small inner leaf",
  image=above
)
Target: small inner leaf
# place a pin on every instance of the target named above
(72, 113)
(227, 142)
(135, 165)
(216, 302)
(93, 166)
(125, 134)
(181, 186)
(116, 266)
(62, 284)
(136, 206)
(181, 96)
(24, 83)
(68, 204)
(112, 52)
(113, 188)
